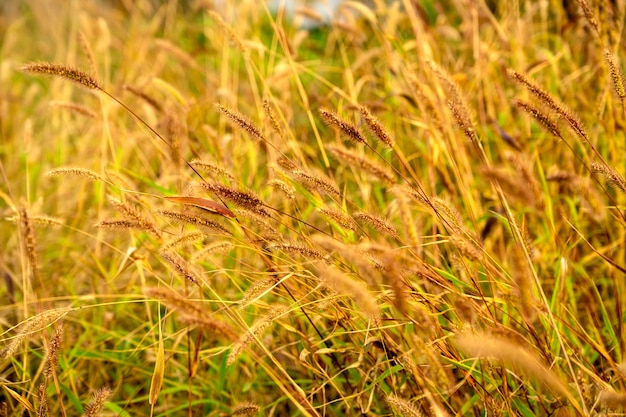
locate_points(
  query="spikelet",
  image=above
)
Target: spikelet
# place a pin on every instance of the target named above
(256, 290)
(376, 127)
(339, 282)
(521, 163)
(32, 325)
(339, 217)
(267, 108)
(513, 355)
(611, 176)
(63, 71)
(76, 108)
(296, 248)
(93, 407)
(181, 240)
(254, 332)
(466, 247)
(407, 216)
(558, 107)
(135, 215)
(215, 247)
(377, 223)
(212, 168)
(512, 185)
(393, 277)
(182, 267)
(541, 118)
(120, 224)
(195, 220)
(316, 182)
(42, 408)
(403, 407)
(229, 31)
(239, 120)
(52, 352)
(175, 51)
(243, 199)
(340, 125)
(524, 284)
(75, 171)
(283, 187)
(84, 44)
(589, 16)
(457, 104)
(351, 158)
(245, 409)
(611, 398)
(143, 96)
(30, 243)
(616, 74)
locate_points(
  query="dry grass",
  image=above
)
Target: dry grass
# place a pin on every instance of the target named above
(462, 255)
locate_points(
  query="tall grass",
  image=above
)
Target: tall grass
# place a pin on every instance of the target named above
(417, 210)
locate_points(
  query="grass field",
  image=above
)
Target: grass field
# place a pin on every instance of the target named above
(417, 210)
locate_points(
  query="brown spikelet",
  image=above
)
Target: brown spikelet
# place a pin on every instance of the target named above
(340, 125)
(524, 284)
(182, 267)
(143, 96)
(339, 217)
(256, 290)
(30, 326)
(42, 408)
(589, 16)
(175, 51)
(393, 277)
(283, 187)
(512, 354)
(239, 120)
(351, 158)
(451, 218)
(135, 215)
(38, 220)
(513, 185)
(52, 352)
(120, 224)
(213, 248)
(212, 168)
(377, 223)
(299, 249)
(456, 103)
(558, 107)
(269, 112)
(254, 332)
(286, 164)
(612, 177)
(76, 108)
(75, 171)
(466, 247)
(229, 31)
(611, 398)
(407, 216)
(84, 44)
(339, 282)
(541, 118)
(30, 243)
(245, 409)
(243, 199)
(93, 407)
(195, 220)
(616, 73)
(183, 239)
(63, 71)
(521, 163)
(316, 182)
(175, 301)
(403, 407)
(376, 127)
(210, 326)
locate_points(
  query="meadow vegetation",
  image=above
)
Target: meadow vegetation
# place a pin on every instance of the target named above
(417, 210)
